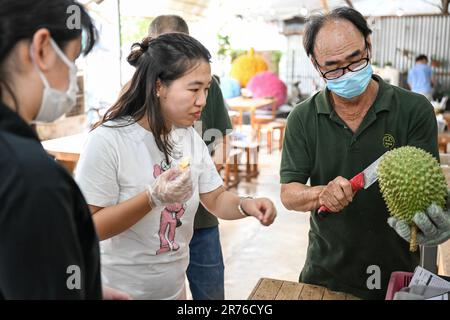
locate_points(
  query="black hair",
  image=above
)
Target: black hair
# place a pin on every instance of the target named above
(316, 22)
(166, 59)
(20, 19)
(421, 57)
(167, 24)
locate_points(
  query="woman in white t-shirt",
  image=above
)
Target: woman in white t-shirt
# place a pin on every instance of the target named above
(143, 203)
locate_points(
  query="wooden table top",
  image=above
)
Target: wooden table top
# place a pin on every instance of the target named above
(248, 104)
(272, 289)
(66, 148)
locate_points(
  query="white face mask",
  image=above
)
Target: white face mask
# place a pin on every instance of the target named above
(55, 103)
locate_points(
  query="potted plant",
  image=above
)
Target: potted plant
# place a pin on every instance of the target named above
(223, 53)
(224, 46)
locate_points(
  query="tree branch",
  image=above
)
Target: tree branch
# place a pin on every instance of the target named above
(434, 4)
(445, 5)
(324, 4)
(349, 3)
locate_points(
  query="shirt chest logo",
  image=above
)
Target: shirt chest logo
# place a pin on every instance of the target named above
(388, 141)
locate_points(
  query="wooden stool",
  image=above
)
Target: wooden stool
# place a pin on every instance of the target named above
(231, 170)
(235, 117)
(270, 128)
(251, 150)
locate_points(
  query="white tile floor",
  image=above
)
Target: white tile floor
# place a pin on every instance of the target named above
(252, 251)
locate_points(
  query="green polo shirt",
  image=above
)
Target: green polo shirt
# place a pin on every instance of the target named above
(214, 116)
(319, 146)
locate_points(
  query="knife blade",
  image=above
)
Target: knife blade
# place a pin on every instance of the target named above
(362, 180)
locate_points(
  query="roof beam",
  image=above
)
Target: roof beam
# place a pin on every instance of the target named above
(445, 5)
(350, 3)
(324, 4)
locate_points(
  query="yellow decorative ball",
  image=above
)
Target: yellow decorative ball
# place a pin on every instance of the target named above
(246, 66)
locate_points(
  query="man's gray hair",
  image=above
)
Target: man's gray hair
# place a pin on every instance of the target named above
(316, 22)
(167, 24)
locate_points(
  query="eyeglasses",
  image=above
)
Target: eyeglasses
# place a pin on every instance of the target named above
(339, 72)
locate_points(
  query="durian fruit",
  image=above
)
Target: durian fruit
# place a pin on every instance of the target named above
(246, 66)
(410, 180)
(184, 163)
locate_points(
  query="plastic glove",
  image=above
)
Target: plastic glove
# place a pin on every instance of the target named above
(114, 294)
(433, 226)
(172, 186)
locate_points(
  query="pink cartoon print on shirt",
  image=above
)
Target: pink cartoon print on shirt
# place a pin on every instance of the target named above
(170, 218)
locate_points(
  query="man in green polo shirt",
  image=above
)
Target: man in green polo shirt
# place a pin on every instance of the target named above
(336, 134)
(206, 268)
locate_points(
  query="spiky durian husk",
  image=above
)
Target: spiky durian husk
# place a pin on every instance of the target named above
(410, 180)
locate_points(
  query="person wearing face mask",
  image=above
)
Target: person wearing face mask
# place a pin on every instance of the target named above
(48, 245)
(56, 103)
(336, 134)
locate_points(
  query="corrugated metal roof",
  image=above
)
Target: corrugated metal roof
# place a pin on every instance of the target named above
(397, 40)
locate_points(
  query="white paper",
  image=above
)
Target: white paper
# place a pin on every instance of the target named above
(423, 277)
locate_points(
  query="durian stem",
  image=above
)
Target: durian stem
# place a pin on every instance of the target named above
(413, 241)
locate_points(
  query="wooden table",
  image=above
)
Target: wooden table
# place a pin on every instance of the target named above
(66, 149)
(272, 289)
(242, 105)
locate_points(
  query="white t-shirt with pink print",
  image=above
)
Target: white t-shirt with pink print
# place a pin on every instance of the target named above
(149, 260)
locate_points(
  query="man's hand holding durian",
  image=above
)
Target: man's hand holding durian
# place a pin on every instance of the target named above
(415, 191)
(433, 226)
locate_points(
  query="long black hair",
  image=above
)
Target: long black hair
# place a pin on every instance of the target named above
(20, 19)
(165, 59)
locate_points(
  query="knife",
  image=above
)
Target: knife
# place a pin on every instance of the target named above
(362, 180)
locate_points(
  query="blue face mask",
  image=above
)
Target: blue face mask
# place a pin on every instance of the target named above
(351, 84)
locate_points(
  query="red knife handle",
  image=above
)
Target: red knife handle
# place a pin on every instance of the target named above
(323, 212)
(357, 183)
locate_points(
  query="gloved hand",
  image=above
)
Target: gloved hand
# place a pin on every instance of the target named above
(172, 186)
(433, 226)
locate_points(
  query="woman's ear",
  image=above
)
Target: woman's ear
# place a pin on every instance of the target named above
(158, 88)
(161, 89)
(41, 51)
